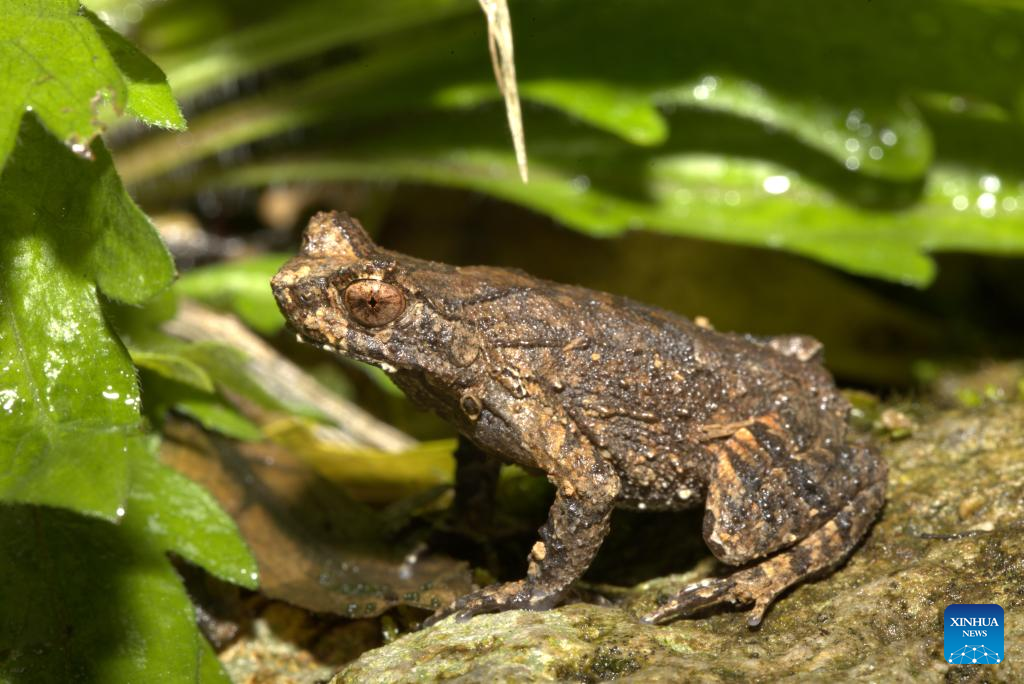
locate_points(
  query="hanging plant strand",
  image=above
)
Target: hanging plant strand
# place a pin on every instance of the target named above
(499, 41)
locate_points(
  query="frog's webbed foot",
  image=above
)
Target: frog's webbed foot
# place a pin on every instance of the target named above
(762, 583)
(695, 597)
(496, 598)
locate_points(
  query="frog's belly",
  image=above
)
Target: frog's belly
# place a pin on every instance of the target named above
(662, 483)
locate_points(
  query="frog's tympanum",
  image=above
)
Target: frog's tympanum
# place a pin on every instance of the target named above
(619, 404)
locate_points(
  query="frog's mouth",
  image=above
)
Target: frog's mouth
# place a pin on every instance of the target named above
(342, 349)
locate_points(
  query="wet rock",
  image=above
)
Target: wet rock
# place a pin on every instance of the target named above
(952, 532)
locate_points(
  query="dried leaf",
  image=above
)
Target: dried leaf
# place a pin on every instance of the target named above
(314, 546)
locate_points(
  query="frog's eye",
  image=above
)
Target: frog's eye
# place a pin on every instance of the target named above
(374, 303)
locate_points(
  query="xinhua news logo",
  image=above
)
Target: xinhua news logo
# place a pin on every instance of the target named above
(973, 634)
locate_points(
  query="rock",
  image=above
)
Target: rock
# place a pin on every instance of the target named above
(952, 532)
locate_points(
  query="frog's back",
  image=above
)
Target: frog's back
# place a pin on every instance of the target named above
(650, 388)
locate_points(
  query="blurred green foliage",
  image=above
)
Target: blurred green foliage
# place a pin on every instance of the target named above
(864, 135)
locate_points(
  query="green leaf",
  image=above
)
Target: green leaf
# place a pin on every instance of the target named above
(888, 139)
(603, 187)
(175, 514)
(211, 410)
(68, 391)
(292, 32)
(210, 669)
(227, 366)
(173, 367)
(241, 287)
(213, 413)
(149, 98)
(631, 115)
(84, 600)
(59, 66)
(850, 123)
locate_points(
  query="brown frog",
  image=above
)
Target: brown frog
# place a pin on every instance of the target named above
(620, 404)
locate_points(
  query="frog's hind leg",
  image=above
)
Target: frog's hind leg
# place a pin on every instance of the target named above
(749, 515)
(760, 584)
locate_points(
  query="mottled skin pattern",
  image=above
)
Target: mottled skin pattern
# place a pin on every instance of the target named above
(620, 404)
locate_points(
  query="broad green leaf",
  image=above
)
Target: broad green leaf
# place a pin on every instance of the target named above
(87, 601)
(68, 392)
(58, 65)
(210, 669)
(631, 115)
(884, 139)
(175, 514)
(241, 287)
(602, 187)
(889, 140)
(822, 106)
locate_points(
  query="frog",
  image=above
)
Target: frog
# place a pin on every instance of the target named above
(619, 404)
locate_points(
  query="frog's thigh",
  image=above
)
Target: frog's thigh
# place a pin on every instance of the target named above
(761, 583)
(762, 497)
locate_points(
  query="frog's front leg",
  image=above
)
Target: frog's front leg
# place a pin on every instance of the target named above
(476, 485)
(586, 490)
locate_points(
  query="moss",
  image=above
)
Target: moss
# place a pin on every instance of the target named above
(605, 663)
(877, 618)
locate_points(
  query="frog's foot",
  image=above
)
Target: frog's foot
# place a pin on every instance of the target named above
(496, 598)
(762, 583)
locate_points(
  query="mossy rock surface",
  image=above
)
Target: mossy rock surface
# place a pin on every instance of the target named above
(952, 532)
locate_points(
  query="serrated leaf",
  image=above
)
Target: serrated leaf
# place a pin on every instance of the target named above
(240, 287)
(149, 98)
(175, 514)
(84, 600)
(57, 65)
(68, 392)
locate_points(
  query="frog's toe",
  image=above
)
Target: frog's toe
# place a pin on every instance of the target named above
(494, 599)
(460, 614)
(694, 597)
